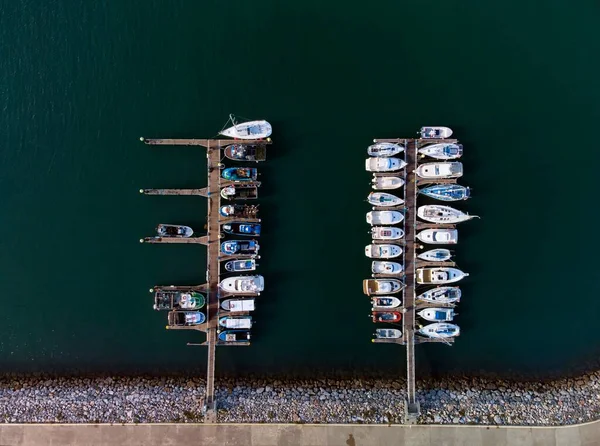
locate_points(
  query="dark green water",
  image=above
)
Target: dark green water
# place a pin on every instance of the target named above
(80, 83)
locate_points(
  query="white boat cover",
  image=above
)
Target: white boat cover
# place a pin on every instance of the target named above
(238, 323)
(241, 305)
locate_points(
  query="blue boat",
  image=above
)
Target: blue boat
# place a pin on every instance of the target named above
(447, 192)
(240, 173)
(231, 247)
(240, 265)
(242, 228)
(234, 336)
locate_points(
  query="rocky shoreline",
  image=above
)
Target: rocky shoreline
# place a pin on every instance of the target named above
(179, 399)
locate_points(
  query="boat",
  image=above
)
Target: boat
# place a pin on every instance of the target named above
(178, 300)
(234, 336)
(439, 275)
(377, 251)
(435, 132)
(240, 174)
(243, 284)
(447, 192)
(379, 267)
(240, 265)
(386, 183)
(238, 305)
(239, 228)
(440, 170)
(436, 213)
(379, 164)
(441, 295)
(247, 130)
(436, 255)
(232, 247)
(384, 199)
(235, 322)
(384, 149)
(239, 192)
(440, 330)
(246, 152)
(186, 318)
(384, 217)
(386, 233)
(239, 210)
(437, 314)
(439, 236)
(381, 286)
(442, 151)
(386, 316)
(385, 302)
(178, 231)
(388, 333)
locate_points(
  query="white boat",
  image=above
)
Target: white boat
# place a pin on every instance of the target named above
(437, 314)
(238, 305)
(379, 267)
(178, 231)
(381, 286)
(385, 302)
(384, 217)
(236, 322)
(388, 333)
(380, 164)
(442, 151)
(436, 213)
(384, 199)
(384, 149)
(243, 284)
(247, 130)
(439, 275)
(441, 295)
(436, 255)
(386, 183)
(383, 251)
(447, 192)
(435, 132)
(386, 233)
(452, 169)
(440, 330)
(439, 236)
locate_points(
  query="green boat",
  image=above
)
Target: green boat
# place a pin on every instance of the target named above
(178, 300)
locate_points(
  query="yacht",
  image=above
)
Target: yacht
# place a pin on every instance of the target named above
(441, 295)
(436, 213)
(384, 199)
(447, 192)
(437, 314)
(377, 251)
(384, 302)
(439, 236)
(440, 330)
(388, 333)
(381, 286)
(384, 217)
(435, 132)
(440, 170)
(436, 255)
(439, 275)
(251, 285)
(386, 183)
(442, 151)
(384, 149)
(238, 305)
(247, 130)
(386, 233)
(379, 164)
(382, 267)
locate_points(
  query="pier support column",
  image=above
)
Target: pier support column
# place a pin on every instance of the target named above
(412, 411)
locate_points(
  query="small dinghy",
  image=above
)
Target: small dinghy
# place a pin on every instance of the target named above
(447, 192)
(247, 130)
(239, 210)
(383, 251)
(384, 199)
(379, 164)
(388, 333)
(439, 275)
(386, 233)
(238, 305)
(386, 316)
(436, 213)
(251, 285)
(381, 286)
(441, 295)
(386, 183)
(385, 302)
(437, 314)
(384, 217)
(245, 152)
(442, 151)
(435, 132)
(439, 236)
(231, 247)
(178, 300)
(436, 255)
(240, 174)
(236, 322)
(440, 170)
(186, 318)
(238, 228)
(240, 265)
(234, 336)
(384, 149)
(379, 267)
(440, 330)
(239, 192)
(178, 231)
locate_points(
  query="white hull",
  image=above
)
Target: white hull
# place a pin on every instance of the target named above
(440, 170)
(250, 285)
(435, 132)
(378, 267)
(441, 294)
(383, 251)
(384, 149)
(439, 236)
(437, 314)
(379, 287)
(442, 151)
(384, 217)
(388, 333)
(386, 233)
(249, 130)
(386, 183)
(440, 330)
(385, 302)
(439, 275)
(436, 213)
(436, 255)
(379, 164)
(384, 199)
(238, 305)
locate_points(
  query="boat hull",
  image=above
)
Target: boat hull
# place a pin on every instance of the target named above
(437, 314)
(435, 213)
(243, 285)
(435, 132)
(388, 333)
(233, 247)
(441, 294)
(384, 149)
(438, 236)
(389, 317)
(386, 183)
(385, 302)
(240, 265)
(386, 233)
(383, 251)
(384, 217)
(174, 231)
(447, 192)
(440, 330)
(240, 174)
(238, 305)
(234, 336)
(442, 151)
(440, 170)
(240, 228)
(439, 275)
(380, 164)
(245, 152)
(249, 130)
(375, 287)
(379, 267)
(384, 199)
(435, 255)
(236, 322)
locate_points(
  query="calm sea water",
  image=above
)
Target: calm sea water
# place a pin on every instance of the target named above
(80, 82)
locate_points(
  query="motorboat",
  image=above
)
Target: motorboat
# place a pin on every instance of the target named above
(232, 247)
(437, 314)
(247, 130)
(385, 302)
(439, 275)
(379, 267)
(440, 330)
(186, 318)
(236, 322)
(377, 251)
(436, 213)
(452, 169)
(239, 228)
(386, 316)
(238, 305)
(438, 236)
(178, 231)
(234, 336)
(381, 286)
(386, 233)
(386, 183)
(246, 152)
(240, 174)
(178, 300)
(240, 265)
(388, 333)
(384, 149)
(243, 284)
(435, 132)
(436, 255)
(380, 164)
(239, 192)
(384, 199)
(384, 217)
(441, 295)
(239, 210)
(447, 192)
(442, 151)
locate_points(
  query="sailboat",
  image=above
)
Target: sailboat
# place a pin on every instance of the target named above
(436, 255)
(436, 213)
(442, 151)
(441, 295)
(435, 132)
(384, 199)
(447, 192)
(247, 130)
(384, 149)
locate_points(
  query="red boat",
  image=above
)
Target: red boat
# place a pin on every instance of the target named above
(387, 316)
